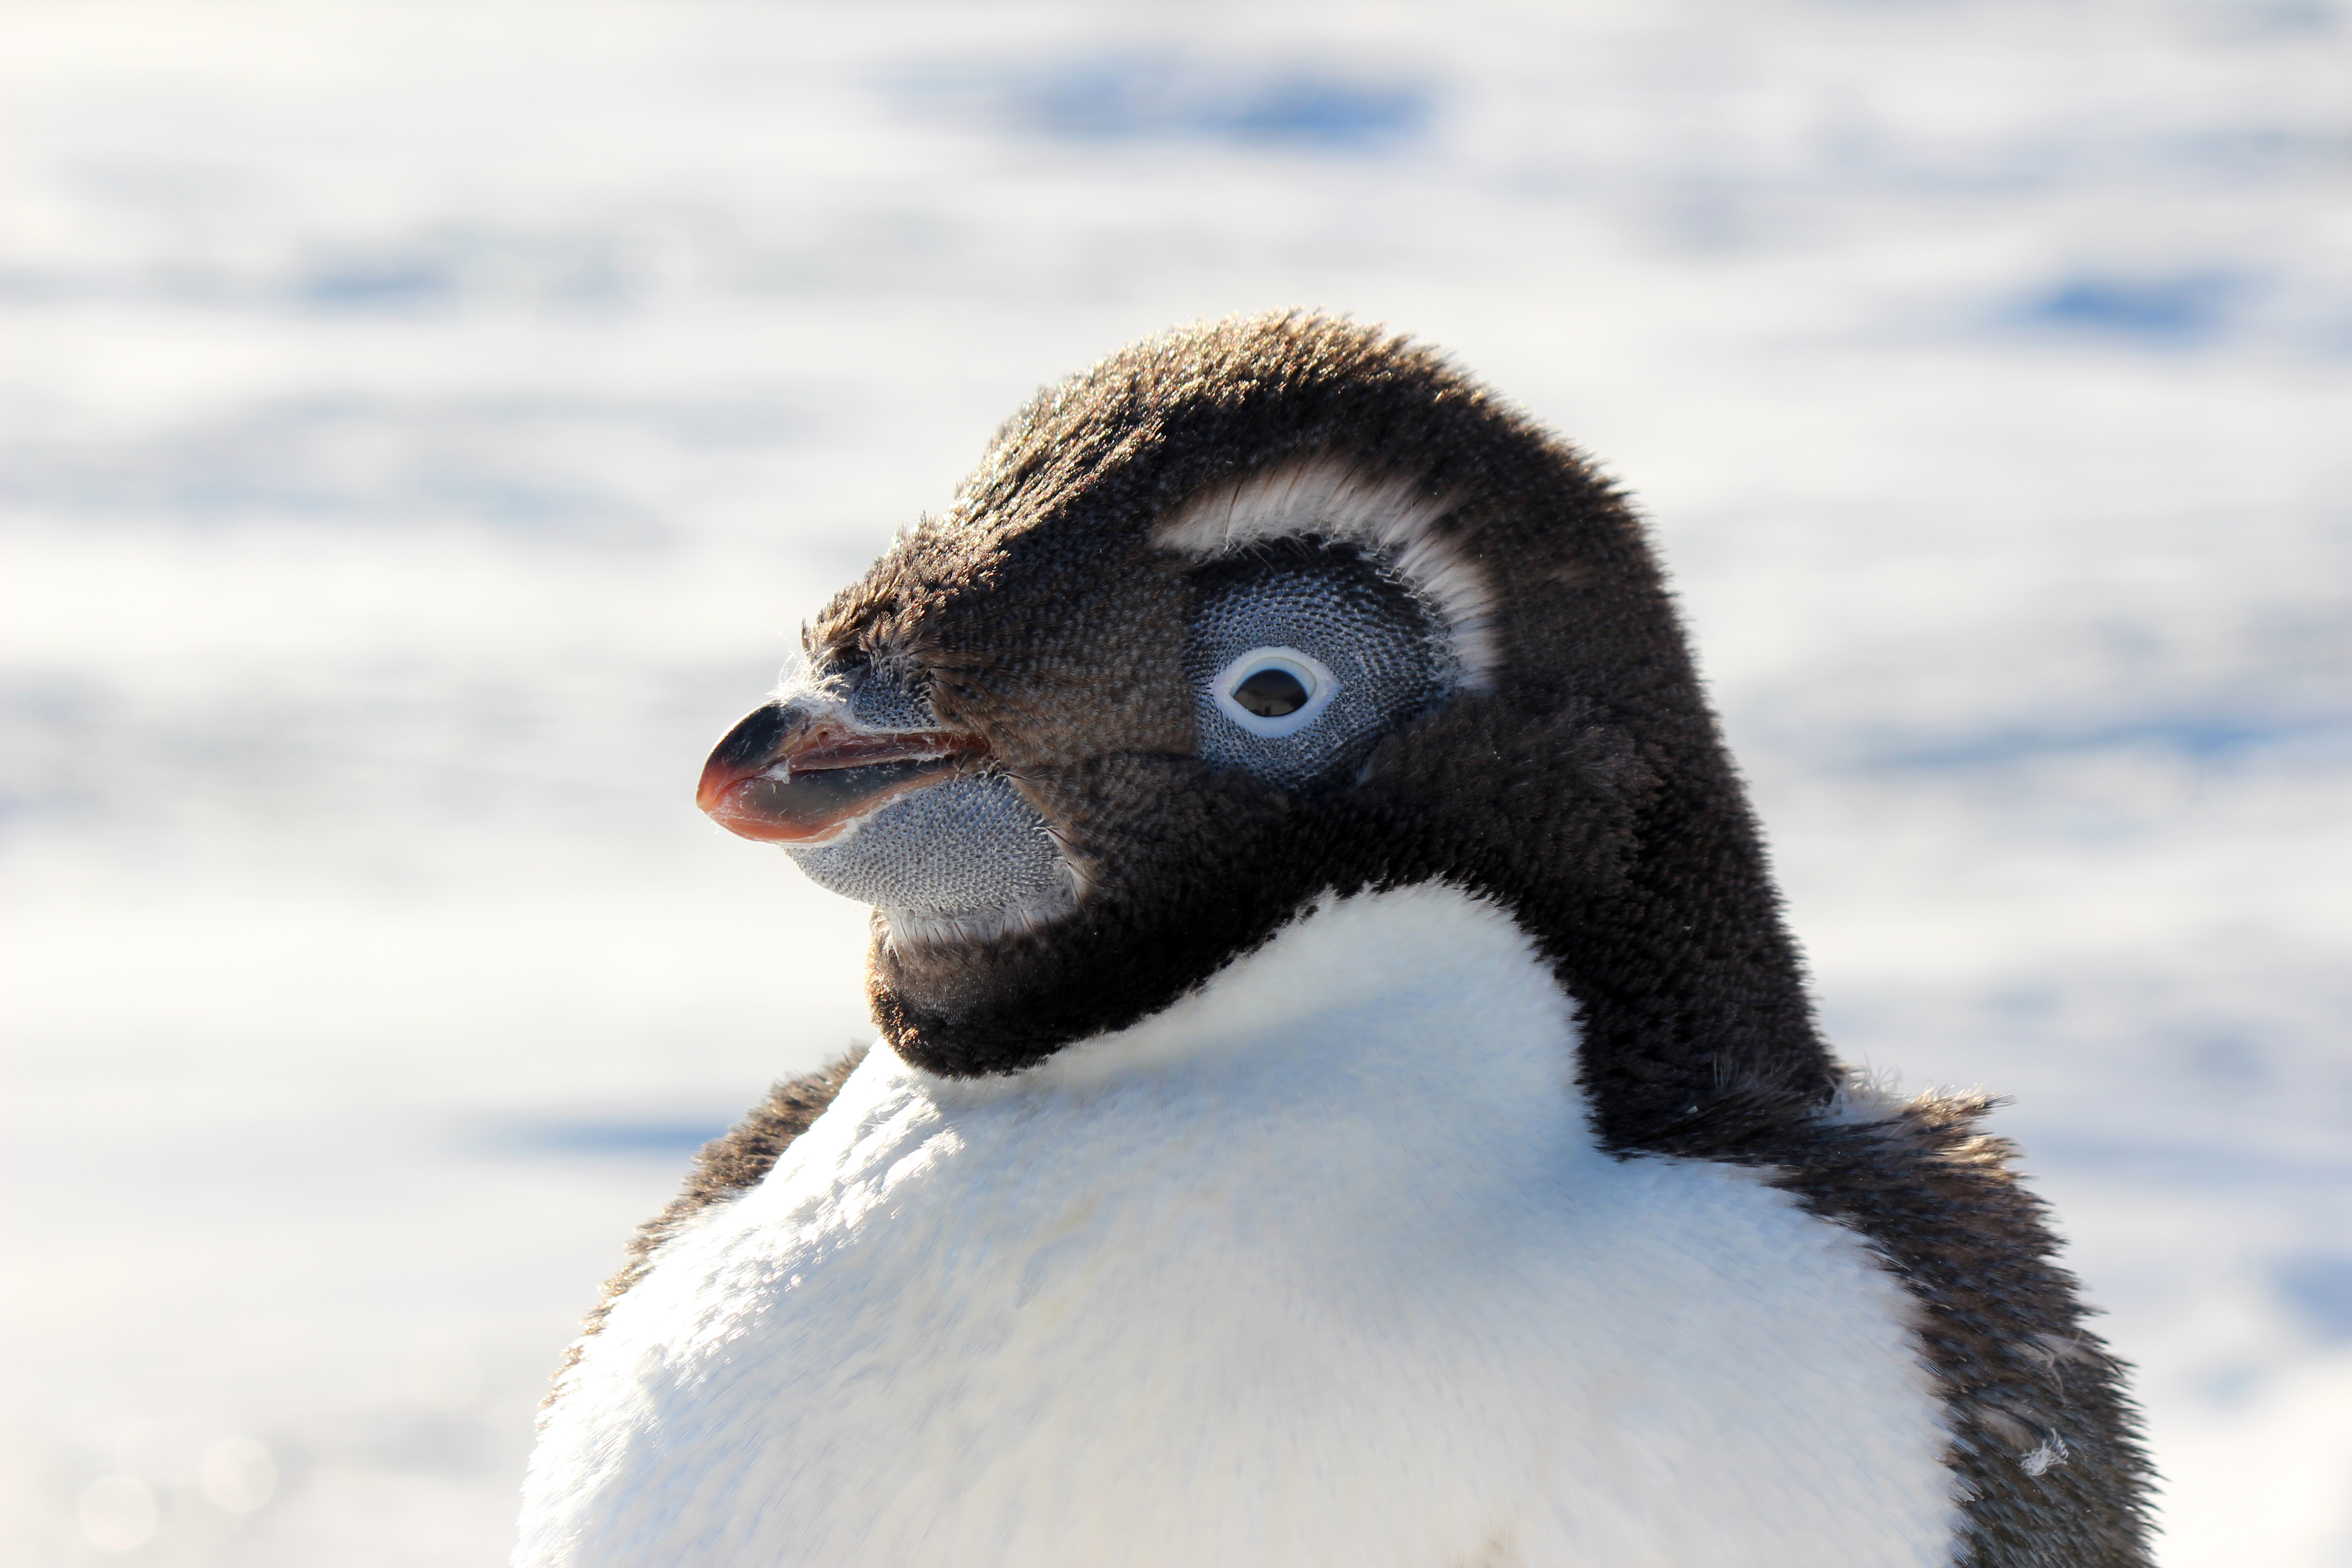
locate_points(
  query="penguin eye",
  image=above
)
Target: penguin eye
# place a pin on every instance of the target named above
(1275, 691)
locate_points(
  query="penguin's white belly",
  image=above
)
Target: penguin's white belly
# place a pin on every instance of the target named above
(1320, 1265)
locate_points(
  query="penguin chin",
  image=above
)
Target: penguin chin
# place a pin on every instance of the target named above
(966, 860)
(1184, 867)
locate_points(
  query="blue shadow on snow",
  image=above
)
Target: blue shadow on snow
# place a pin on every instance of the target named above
(1131, 97)
(2319, 1287)
(1120, 100)
(2179, 309)
(2201, 738)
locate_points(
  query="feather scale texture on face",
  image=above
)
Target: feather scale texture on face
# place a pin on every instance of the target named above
(1303, 655)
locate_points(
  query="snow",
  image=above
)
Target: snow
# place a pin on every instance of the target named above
(427, 425)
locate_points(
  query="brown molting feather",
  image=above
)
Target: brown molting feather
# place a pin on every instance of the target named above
(726, 1167)
(2044, 1441)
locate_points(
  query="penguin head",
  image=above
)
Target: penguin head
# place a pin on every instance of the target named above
(1241, 616)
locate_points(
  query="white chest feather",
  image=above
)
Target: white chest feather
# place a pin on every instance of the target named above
(1320, 1265)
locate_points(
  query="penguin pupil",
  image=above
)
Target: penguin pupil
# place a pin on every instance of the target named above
(1272, 694)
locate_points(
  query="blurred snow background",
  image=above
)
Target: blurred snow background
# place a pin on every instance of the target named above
(427, 424)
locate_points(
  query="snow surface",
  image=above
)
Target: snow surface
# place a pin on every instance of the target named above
(427, 424)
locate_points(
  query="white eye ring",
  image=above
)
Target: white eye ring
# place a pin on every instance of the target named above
(1306, 669)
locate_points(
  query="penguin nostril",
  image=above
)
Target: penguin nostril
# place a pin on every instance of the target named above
(1272, 694)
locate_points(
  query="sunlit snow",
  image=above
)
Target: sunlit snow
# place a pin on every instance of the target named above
(427, 424)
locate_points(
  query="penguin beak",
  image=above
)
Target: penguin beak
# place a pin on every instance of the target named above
(796, 774)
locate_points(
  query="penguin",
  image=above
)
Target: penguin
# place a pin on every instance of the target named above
(1344, 1093)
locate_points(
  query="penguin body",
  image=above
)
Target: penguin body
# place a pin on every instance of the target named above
(1345, 1094)
(1248, 1252)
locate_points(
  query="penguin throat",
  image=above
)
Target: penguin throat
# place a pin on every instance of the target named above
(1184, 896)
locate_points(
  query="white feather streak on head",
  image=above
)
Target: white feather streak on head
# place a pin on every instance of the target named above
(1330, 495)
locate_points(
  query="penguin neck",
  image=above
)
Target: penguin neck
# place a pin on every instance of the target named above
(1689, 984)
(1452, 970)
